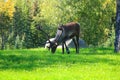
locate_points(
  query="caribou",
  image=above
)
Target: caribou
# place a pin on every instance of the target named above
(65, 32)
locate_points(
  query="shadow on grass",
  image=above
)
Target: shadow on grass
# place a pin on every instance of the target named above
(34, 60)
(97, 51)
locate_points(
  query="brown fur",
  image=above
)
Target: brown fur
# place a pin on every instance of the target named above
(69, 31)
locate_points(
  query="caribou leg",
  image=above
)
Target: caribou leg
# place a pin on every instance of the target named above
(67, 49)
(77, 40)
(63, 48)
(75, 44)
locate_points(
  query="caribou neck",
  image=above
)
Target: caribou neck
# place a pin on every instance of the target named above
(59, 36)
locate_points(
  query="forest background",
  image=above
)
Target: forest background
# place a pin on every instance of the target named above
(19, 18)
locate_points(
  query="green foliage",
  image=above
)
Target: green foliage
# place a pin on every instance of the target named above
(99, 21)
(40, 64)
(6, 15)
(21, 25)
(94, 17)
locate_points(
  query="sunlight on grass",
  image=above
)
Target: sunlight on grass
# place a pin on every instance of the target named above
(40, 64)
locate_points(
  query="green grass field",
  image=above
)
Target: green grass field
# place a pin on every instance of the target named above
(40, 64)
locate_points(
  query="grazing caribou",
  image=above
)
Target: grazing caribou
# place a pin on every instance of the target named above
(65, 32)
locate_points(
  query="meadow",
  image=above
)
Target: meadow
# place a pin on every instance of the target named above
(41, 64)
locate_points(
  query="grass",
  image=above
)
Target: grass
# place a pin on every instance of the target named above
(40, 64)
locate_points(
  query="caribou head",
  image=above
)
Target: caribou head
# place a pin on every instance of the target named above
(51, 45)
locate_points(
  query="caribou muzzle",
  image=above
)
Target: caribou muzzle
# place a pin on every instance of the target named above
(53, 46)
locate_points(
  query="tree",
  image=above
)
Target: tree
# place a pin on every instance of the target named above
(117, 28)
(6, 15)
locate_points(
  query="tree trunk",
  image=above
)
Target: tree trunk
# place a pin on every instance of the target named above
(117, 28)
(2, 41)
